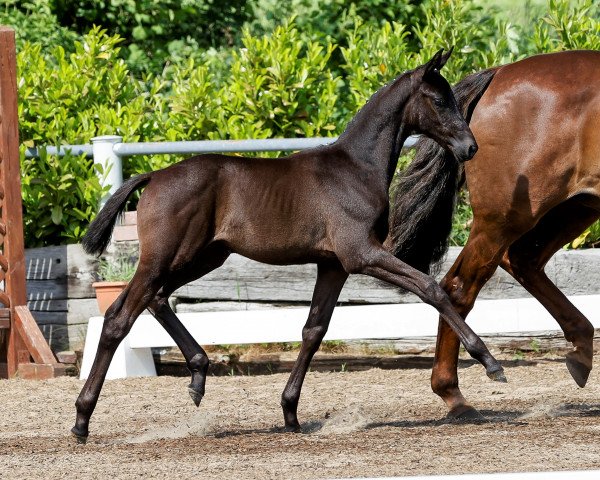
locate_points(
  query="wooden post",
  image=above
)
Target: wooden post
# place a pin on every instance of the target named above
(24, 337)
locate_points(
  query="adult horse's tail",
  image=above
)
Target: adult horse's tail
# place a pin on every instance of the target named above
(423, 205)
(98, 235)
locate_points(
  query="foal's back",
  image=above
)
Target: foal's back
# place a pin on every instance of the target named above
(270, 210)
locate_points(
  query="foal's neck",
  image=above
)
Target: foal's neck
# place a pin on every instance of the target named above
(374, 137)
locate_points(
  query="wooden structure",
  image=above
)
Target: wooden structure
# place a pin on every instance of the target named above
(23, 349)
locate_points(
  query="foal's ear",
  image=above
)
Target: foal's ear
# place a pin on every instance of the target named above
(444, 58)
(434, 63)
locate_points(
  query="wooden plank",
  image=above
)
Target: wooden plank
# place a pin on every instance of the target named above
(40, 371)
(10, 185)
(78, 309)
(46, 263)
(60, 272)
(241, 279)
(29, 331)
(64, 337)
(12, 214)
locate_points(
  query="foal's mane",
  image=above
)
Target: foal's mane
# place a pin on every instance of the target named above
(373, 101)
(424, 200)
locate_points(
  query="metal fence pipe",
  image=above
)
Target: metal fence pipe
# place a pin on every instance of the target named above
(108, 151)
(221, 146)
(111, 172)
(61, 151)
(228, 146)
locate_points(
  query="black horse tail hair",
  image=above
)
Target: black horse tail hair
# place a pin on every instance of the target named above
(423, 204)
(98, 235)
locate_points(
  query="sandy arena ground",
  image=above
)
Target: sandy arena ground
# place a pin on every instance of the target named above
(356, 424)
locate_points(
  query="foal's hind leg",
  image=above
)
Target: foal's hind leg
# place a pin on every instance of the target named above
(375, 261)
(196, 359)
(117, 322)
(330, 280)
(525, 261)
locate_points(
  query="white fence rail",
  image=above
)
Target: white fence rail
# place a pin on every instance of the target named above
(134, 358)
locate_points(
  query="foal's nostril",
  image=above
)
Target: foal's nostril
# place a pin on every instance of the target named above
(472, 150)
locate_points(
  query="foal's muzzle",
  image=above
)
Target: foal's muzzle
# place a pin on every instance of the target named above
(464, 149)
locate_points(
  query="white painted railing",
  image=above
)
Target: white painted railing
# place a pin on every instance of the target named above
(134, 358)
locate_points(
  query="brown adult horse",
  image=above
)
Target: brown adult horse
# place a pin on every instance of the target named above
(534, 185)
(327, 205)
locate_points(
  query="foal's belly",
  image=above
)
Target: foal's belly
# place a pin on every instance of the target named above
(276, 242)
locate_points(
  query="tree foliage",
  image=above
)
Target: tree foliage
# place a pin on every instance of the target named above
(296, 79)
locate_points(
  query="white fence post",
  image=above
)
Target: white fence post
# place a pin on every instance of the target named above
(112, 166)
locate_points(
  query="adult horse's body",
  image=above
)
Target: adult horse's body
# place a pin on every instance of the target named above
(534, 185)
(327, 206)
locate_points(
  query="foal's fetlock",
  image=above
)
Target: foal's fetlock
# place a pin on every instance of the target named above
(496, 373)
(198, 366)
(290, 415)
(80, 431)
(80, 435)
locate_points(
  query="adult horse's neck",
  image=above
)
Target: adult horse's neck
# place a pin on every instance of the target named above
(374, 137)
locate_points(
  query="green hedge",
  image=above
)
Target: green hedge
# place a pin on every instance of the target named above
(282, 84)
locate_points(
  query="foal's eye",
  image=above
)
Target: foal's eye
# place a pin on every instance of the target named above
(439, 102)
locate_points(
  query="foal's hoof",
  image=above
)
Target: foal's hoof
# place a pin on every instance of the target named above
(79, 435)
(196, 396)
(465, 414)
(577, 369)
(497, 376)
(293, 428)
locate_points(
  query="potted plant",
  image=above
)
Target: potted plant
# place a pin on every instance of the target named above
(113, 274)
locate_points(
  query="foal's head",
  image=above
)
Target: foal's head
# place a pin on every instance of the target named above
(432, 110)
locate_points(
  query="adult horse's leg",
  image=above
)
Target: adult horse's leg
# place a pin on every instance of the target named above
(374, 260)
(330, 280)
(474, 266)
(525, 261)
(196, 359)
(117, 322)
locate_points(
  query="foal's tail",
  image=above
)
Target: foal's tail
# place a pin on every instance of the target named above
(98, 235)
(423, 205)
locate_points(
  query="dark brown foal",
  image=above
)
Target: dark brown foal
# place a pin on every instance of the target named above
(534, 186)
(328, 206)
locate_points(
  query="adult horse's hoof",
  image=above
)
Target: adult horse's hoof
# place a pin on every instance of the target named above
(196, 396)
(579, 371)
(497, 376)
(465, 414)
(79, 435)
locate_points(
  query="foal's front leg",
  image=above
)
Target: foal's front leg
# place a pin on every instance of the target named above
(330, 280)
(195, 356)
(373, 260)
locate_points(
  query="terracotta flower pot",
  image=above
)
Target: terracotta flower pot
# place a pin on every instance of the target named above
(107, 293)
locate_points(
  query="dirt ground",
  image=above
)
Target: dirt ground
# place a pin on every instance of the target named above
(356, 424)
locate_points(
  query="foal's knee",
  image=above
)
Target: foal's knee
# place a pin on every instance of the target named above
(434, 294)
(312, 335)
(114, 331)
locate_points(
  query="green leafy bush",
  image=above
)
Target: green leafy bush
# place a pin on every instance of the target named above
(290, 82)
(157, 31)
(34, 21)
(60, 198)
